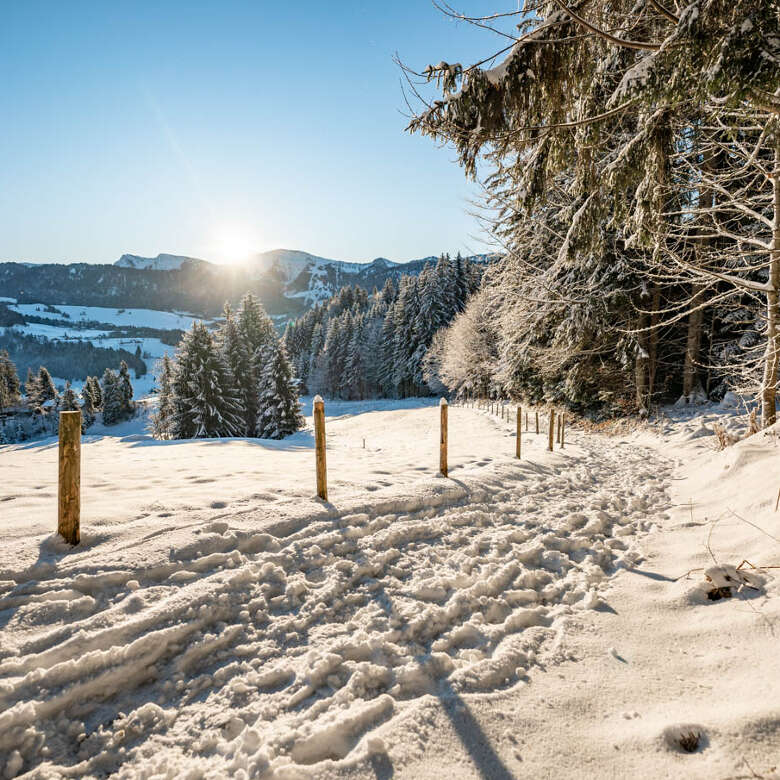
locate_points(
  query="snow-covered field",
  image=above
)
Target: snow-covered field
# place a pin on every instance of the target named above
(519, 619)
(138, 318)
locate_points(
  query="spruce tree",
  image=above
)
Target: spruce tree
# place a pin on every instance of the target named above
(280, 412)
(88, 409)
(234, 348)
(31, 389)
(9, 381)
(162, 420)
(126, 390)
(205, 404)
(70, 401)
(257, 332)
(112, 398)
(46, 391)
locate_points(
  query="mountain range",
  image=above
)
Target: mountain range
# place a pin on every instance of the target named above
(287, 281)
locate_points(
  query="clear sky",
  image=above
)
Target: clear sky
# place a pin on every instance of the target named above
(209, 128)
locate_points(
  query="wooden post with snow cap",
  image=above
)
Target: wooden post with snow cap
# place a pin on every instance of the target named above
(519, 430)
(319, 446)
(551, 433)
(69, 486)
(443, 438)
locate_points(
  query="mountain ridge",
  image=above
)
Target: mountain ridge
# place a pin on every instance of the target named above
(287, 281)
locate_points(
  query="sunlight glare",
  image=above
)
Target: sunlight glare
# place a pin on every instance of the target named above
(233, 244)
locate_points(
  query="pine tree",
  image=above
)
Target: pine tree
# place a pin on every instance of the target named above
(280, 413)
(204, 402)
(111, 392)
(257, 331)
(126, 390)
(234, 349)
(88, 409)
(162, 420)
(46, 391)
(69, 402)
(93, 387)
(31, 389)
(9, 381)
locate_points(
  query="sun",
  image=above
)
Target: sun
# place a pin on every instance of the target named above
(233, 244)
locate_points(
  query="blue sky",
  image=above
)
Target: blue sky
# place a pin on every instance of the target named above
(208, 128)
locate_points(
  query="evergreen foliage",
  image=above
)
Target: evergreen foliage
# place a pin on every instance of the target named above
(9, 382)
(279, 409)
(205, 403)
(357, 346)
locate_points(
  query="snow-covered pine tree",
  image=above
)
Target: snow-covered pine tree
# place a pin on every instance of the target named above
(234, 348)
(46, 391)
(353, 384)
(88, 410)
(93, 386)
(126, 390)
(70, 401)
(204, 399)
(257, 331)
(111, 392)
(162, 419)
(279, 409)
(31, 389)
(9, 381)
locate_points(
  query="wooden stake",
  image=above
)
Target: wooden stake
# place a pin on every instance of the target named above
(443, 438)
(563, 428)
(69, 515)
(319, 445)
(558, 434)
(519, 430)
(551, 432)
(526, 421)
(537, 421)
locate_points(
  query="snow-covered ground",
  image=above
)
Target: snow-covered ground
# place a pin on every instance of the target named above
(518, 619)
(138, 318)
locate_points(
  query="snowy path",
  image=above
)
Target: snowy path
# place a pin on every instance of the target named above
(322, 640)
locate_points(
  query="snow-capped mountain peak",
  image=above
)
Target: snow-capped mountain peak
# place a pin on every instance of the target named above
(163, 262)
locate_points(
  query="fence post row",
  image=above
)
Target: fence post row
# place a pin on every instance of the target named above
(69, 482)
(443, 438)
(551, 432)
(319, 445)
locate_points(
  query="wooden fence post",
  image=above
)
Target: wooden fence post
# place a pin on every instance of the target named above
(537, 421)
(319, 445)
(443, 438)
(69, 492)
(519, 430)
(558, 434)
(551, 433)
(563, 428)
(526, 421)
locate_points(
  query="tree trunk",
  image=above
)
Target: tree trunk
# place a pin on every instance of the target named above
(653, 350)
(772, 355)
(641, 368)
(691, 382)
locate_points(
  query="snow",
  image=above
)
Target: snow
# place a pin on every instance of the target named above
(163, 262)
(139, 318)
(521, 618)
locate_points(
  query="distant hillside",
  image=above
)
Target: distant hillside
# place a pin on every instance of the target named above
(162, 262)
(288, 282)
